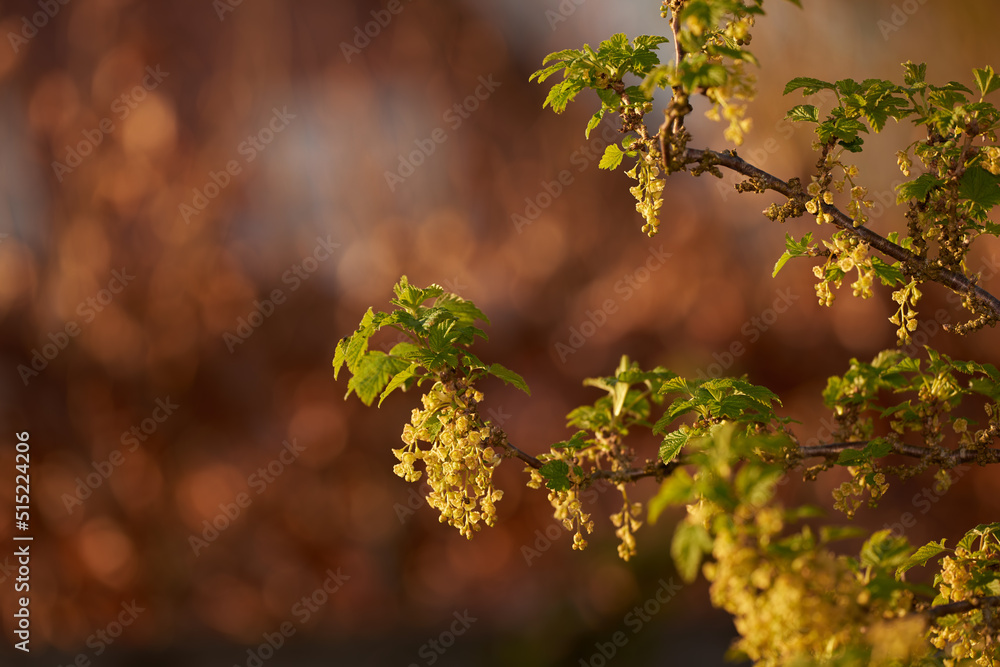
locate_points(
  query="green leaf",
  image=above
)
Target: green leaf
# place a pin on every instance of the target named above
(510, 377)
(612, 157)
(398, 380)
(556, 474)
(340, 356)
(372, 374)
(672, 444)
(809, 85)
(405, 350)
(691, 542)
(882, 550)
(914, 74)
(921, 556)
(889, 274)
(678, 489)
(917, 189)
(793, 248)
(986, 80)
(464, 311)
(594, 121)
(803, 112)
(562, 94)
(980, 187)
(578, 441)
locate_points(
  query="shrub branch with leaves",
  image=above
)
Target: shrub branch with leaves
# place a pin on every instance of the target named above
(795, 599)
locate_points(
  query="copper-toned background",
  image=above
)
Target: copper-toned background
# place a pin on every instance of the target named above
(338, 115)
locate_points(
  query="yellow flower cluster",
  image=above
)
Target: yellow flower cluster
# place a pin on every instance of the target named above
(567, 505)
(974, 636)
(805, 608)
(649, 192)
(906, 316)
(460, 461)
(626, 523)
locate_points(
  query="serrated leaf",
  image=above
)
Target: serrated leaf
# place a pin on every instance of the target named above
(398, 380)
(404, 350)
(851, 457)
(594, 121)
(739, 408)
(372, 374)
(562, 94)
(914, 74)
(921, 556)
(803, 113)
(889, 274)
(918, 188)
(556, 474)
(612, 157)
(672, 444)
(510, 377)
(809, 85)
(340, 355)
(986, 80)
(578, 441)
(464, 311)
(980, 187)
(793, 248)
(680, 406)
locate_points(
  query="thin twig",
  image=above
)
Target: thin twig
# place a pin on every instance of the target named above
(951, 457)
(962, 606)
(922, 267)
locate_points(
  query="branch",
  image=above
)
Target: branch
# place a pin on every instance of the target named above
(952, 457)
(962, 606)
(954, 281)
(527, 458)
(657, 468)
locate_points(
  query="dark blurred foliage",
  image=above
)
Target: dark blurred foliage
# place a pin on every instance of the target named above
(330, 119)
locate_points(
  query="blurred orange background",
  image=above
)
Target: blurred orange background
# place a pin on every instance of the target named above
(201, 198)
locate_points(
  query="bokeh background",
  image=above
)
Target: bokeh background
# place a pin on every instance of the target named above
(216, 155)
